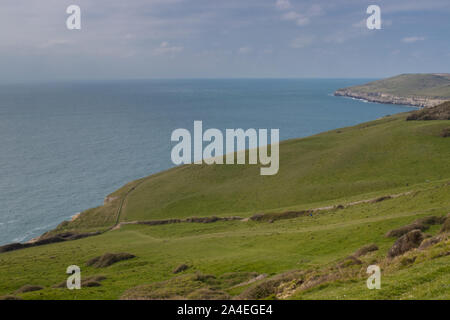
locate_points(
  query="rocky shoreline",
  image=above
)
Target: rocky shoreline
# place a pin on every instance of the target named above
(379, 97)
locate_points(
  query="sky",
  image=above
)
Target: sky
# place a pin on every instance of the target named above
(142, 39)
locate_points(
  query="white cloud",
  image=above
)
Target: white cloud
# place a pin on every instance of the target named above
(415, 5)
(303, 19)
(164, 48)
(412, 39)
(302, 41)
(53, 43)
(283, 4)
(360, 24)
(245, 50)
(315, 10)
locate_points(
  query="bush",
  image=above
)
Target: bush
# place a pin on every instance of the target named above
(208, 294)
(365, 250)
(446, 226)
(409, 241)
(179, 287)
(29, 288)
(269, 288)
(180, 268)
(272, 217)
(445, 132)
(431, 241)
(399, 232)
(108, 259)
(381, 199)
(349, 261)
(261, 290)
(439, 112)
(421, 224)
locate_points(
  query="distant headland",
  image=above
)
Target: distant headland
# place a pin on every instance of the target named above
(420, 90)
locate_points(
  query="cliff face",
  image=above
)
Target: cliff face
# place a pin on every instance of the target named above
(380, 97)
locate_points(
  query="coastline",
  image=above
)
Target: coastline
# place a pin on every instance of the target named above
(339, 92)
(379, 97)
(36, 240)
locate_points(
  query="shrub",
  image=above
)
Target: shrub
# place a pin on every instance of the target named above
(421, 224)
(179, 287)
(446, 226)
(29, 288)
(383, 198)
(208, 294)
(180, 268)
(108, 259)
(439, 112)
(431, 242)
(396, 233)
(409, 241)
(365, 250)
(445, 132)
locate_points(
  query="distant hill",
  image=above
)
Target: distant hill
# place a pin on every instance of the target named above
(422, 90)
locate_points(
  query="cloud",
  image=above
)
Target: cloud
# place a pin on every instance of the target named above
(302, 41)
(349, 34)
(164, 49)
(412, 39)
(283, 4)
(315, 10)
(245, 50)
(415, 5)
(53, 43)
(302, 19)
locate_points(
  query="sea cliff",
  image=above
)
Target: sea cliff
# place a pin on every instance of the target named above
(419, 90)
(390, 98)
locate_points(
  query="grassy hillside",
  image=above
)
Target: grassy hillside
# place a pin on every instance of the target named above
(373, 157)
(295, 258)
(410, 85)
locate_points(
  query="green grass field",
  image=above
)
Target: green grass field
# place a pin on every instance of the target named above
(389, 156)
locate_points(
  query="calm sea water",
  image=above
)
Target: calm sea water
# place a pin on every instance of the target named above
(64, 147)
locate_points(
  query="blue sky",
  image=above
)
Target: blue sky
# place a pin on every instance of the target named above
(221, 38)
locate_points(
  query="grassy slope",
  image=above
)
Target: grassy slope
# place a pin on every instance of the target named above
(307, 242)
(372, 157)
(375, 158)
(407, 85)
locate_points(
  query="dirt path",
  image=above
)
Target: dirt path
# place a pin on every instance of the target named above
(119, 209)
(118, 224)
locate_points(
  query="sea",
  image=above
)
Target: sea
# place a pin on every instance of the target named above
(65, 146)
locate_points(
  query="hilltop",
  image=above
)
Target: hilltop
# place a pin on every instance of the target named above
(340, 202)
(422, 90)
